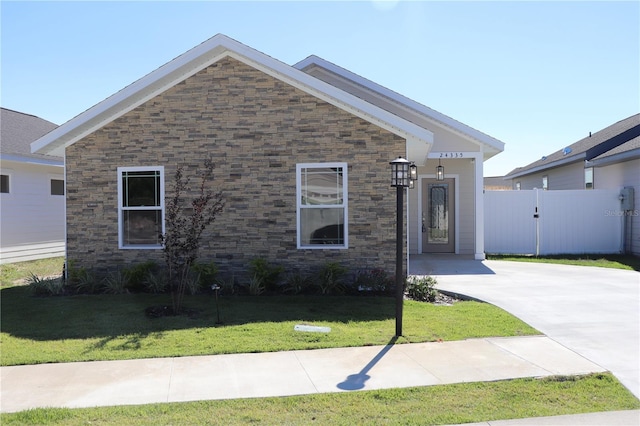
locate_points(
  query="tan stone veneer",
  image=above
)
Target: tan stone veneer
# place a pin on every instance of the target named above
(256, 128)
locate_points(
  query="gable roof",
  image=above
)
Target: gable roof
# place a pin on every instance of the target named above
(195, 60)
(402, 106)
(17, 131)
(617, 138)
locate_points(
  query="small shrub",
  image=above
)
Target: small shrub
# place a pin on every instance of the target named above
(84, 282)
(330, 278)
(266, 273)
(115, 283)
(81, 280)
(256, 286)
(297, 283)
(228, 286)
(45, 286)
(208, 273)
(421, 288)
(137, 274)
(375, 281)
(156, 281)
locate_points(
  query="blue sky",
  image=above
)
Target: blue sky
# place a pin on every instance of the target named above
(536, 75)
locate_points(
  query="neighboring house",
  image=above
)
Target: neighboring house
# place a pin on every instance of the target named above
(301, 153)
(32, 191)
(496, 183)
(582, 165)
(607, 159)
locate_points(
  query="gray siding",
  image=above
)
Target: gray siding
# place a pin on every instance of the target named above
(570, 176)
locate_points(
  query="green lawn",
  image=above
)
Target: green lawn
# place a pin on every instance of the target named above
(16, 273)
(434, 405)
(110, 327)
(615, 261)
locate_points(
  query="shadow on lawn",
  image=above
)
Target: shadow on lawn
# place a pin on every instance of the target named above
(109, 316)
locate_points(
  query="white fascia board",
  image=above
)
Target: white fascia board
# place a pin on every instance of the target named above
(195, 60)
(616, 158)
(548, 166)
(430, 113)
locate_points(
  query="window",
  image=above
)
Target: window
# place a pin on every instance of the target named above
(57, 187)
(545, 182)
(588, 178)
(4, 184)
(518, 186)
(140, 207)
(322, 205)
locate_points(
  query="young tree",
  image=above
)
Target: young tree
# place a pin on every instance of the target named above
(184, 227)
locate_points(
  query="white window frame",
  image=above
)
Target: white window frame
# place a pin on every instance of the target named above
(545, 182)
(9, 175)
(64, 185)
(587, 171)
(344, 205)
(121, 209)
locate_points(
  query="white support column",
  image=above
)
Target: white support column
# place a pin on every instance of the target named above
(479, 207)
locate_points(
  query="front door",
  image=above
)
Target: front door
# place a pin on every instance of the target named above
(438, 233)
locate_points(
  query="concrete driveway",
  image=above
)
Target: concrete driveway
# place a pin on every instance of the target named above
(592, 311)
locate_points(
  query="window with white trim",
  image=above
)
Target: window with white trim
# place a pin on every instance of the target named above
(321, 190)
(140, 207)
(545, 182)
(4, 184)
(588, 178)
(57, 186)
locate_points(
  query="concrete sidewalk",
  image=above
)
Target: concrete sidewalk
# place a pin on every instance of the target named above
(143, 381)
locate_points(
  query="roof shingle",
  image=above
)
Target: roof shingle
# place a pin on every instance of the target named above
(577, 151)
(18, 130)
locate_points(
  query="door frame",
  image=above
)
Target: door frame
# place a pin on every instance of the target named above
(456, 204)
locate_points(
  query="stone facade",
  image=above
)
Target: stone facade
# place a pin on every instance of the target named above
(256, 129)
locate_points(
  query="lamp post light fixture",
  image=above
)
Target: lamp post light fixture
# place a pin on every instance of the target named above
(403, 175)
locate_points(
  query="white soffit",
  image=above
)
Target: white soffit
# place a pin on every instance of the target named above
(199, 58)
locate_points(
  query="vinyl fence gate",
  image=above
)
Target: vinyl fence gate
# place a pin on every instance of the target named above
(552, 222)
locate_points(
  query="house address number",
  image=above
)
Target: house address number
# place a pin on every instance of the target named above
(451, 154)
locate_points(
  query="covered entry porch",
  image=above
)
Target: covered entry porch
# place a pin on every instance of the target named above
(445, 212)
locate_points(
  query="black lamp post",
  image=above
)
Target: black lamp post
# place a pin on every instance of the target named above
(403, 174)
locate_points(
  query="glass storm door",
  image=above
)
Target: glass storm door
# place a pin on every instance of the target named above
(438, 216)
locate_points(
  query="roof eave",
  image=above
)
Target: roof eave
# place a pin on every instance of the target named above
(615, 158)
(551, 165)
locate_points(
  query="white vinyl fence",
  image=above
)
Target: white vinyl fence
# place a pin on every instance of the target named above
(552, 222)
